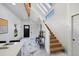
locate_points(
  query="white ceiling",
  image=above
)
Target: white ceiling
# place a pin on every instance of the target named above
(43, 9)
(18, 10)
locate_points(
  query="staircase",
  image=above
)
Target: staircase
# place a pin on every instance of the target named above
(55, 45)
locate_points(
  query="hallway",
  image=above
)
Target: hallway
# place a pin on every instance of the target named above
(48, 24)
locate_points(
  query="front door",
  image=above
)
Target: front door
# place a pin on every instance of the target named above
(26, 30)
(75, 35)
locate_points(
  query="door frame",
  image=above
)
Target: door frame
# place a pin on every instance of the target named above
(29, 29)
(72, 21)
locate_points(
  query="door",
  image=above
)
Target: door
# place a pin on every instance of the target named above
(26, 30)
(75, 35)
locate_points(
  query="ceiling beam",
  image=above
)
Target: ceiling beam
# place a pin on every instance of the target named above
(42, 5)
(48, 5)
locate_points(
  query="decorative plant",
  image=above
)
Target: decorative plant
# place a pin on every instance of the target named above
(41, 34)
(15, 31)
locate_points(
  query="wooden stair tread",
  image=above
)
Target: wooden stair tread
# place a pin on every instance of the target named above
(56, 49)
(52, 34)
(55, 44)
(53, 40)
(52, 37)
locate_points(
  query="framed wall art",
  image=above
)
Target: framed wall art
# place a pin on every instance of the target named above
(15, 30)
(3, 26)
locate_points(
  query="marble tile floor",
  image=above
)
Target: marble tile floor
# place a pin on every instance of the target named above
(34, 50)
(42, 52)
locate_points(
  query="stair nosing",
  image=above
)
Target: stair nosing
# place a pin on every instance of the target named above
(55, 49)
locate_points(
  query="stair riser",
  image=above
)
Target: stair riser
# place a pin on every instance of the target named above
(52, 41)
(55, 46)
(52, 37)
(57, 51)
(52, 34)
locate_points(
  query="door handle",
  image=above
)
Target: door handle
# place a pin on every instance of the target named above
(73, 39)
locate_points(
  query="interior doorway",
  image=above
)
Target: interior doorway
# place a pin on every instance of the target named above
(27, 31)
(75, 35)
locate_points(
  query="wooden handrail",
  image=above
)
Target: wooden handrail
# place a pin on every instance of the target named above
(48, 28)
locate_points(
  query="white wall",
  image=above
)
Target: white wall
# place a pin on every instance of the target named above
(12, 19)
(59, 25)
(47, 39)
(72, 10)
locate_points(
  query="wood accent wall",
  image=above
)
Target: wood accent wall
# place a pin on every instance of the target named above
(28, 7)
